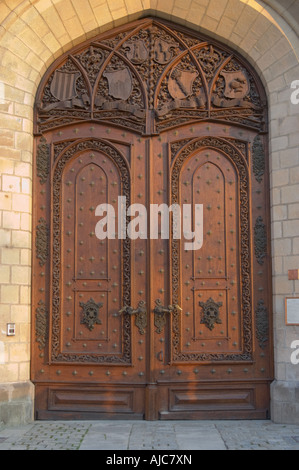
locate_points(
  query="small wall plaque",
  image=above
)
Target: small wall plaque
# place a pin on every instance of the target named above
(294, 275)
(292, 310)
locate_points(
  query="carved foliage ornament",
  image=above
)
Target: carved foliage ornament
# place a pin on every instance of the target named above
(260, 240)
(42, 241)
(262, 324)
(43, 160)
(258, 157)
(41, 324)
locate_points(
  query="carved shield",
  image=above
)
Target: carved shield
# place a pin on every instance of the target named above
(63, 86)
(163, 51)
(136, 52)
(180, 84)
(120, 83)
(236, 84)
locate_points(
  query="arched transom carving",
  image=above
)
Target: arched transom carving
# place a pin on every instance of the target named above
(150, 77)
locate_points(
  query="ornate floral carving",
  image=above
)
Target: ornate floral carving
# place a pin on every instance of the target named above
(258, 158)
(41, 324)
(42, 241)
(260, 240)
(262, 324)
(43, 160)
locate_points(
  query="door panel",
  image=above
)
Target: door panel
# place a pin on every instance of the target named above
(143, 324)
(209, 277)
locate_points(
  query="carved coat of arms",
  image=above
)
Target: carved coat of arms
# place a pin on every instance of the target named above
(120, 83)
(181, 83)
(136, 52)
(163, 51)
(237, 88)
(236, 85)
(63, 86)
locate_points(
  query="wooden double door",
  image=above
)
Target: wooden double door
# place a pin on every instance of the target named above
(130, 320)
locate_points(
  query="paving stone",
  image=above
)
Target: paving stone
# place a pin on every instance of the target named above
(172, 435)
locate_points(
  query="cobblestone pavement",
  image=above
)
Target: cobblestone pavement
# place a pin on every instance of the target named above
(142, 435)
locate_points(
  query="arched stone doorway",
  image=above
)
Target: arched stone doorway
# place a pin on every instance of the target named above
(145, 328)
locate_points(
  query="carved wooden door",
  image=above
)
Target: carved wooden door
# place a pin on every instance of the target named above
(141, 323)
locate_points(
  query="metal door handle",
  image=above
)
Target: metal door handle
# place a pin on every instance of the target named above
(140, 315)
(160, 314)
